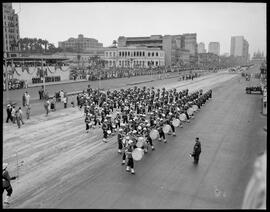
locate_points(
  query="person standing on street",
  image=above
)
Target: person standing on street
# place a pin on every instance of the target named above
(13, 114)
(65, 101)
(196, 151)
(27, 98)
(20, 115)
(28, 111)
(9, 109)
(46, 106)
(6, 182)
(41, 92)
(24, 99)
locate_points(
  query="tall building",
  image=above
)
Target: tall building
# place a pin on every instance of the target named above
(239, 47)
(174, 46)
(214, 47)
(201, 48)
(11, 33)
(80, 44)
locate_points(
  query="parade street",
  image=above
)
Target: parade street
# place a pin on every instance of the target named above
(62, 166)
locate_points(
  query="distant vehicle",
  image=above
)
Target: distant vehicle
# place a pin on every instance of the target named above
(254, 89)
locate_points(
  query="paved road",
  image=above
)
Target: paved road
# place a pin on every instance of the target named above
(231, 129)
(76, 174)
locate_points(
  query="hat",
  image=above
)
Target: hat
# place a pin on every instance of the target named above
(4, 166)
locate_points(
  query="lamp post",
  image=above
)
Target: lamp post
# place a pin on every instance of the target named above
(6, 82)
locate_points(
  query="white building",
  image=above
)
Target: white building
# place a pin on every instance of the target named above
(214, 47)
(239, 47)
(134, 57)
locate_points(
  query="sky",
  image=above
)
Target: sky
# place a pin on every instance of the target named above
(105, 22)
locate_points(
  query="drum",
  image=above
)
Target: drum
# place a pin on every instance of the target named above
(176, 122)
(113, 126)
(166, 128)
(140, 142)
(183, 117)
(109, 132)
(195, 108)
(137, 154)
(190, 111)
(154, 134)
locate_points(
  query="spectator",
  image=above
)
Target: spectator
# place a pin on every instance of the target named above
(28, 110)
(41, 93)
(27, 98)
(46, 106)
(65, 101)
(9, 109)
(24, 99)
(13, 114)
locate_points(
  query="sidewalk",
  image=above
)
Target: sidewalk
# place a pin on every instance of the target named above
(56, 83)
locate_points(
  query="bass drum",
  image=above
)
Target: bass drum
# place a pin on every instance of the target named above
(137, 154)
(166, 128)
(183, 117)
(140, 142)
(190, 111)
(176, 122)
(154, 134)
(109, 132)
(195, 108)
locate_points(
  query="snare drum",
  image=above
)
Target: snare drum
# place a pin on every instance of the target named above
(154, 134)
(166, 128)
(176, 122)
(137, 154)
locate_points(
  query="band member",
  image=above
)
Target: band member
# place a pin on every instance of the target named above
(120, 141)
(196, 151)
(130, 162)
(87, 122)
(160, 130)
(105, 128)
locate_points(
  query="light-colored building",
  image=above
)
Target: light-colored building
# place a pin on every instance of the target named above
(80, 44)
(201, 48)
(133, 56)
(174, 46)
(258, 58)
(11, 33)
(239, 47)
(214, 47)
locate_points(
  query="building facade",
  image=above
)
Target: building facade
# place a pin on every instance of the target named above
(80, 44)
(214, 47)
(240, 48)
(134, 57)
(201, 48)
(174, 46)
(11, 33)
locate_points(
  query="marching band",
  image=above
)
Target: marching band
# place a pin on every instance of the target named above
(142, 116)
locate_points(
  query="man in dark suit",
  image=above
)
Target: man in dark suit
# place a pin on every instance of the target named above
(196, 151)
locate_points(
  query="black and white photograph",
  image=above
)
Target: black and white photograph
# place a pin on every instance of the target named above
(134, 105)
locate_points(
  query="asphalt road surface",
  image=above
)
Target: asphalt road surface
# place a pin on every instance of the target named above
(61, 166)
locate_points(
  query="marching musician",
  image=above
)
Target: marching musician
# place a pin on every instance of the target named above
(160, 130)
(120, 140)
(130, 162)
(105, 128)
(87, 122)
(196, 151)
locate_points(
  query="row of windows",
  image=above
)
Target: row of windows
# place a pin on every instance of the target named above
(133, 54)
(135, 63)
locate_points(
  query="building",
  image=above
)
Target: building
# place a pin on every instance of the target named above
(11, 33)
(133, 56)
(80, 44)
(258, 58)
(174, 46)
(214, 47)
(201, 48)
(239, 48)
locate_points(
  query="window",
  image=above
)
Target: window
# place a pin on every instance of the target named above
(120, 62)
(157, 54)
(153, 54)
(143, 54)
(140, 54)
(119, 54)
(149, 54)
(128, 53)
(156, 63)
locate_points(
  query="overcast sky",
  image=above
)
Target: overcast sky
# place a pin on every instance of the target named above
(107, 21)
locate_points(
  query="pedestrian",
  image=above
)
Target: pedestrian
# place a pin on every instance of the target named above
(196, 151)
(65, 101)
(6, 182)
(9, 109)
(20, 115)
(17, 118)
(28, 111)
(24, 99)
(61, 93)
(53, 104)
(41, 93)
(46, 106)
(13, 114)
(27, 98)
